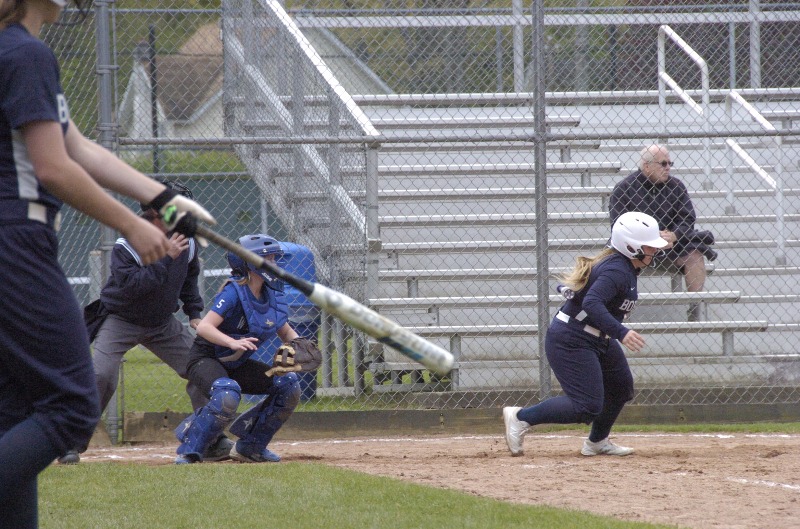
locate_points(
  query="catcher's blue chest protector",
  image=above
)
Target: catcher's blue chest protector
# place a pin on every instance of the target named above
(262, 319)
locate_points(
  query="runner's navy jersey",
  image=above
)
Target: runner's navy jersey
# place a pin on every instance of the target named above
(609, 296)
(30, 90)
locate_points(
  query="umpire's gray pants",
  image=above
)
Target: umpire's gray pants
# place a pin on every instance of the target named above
(170, 342)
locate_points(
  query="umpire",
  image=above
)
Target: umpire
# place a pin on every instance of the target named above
(140, 302)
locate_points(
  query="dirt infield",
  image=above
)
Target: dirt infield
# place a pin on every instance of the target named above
(703, 481)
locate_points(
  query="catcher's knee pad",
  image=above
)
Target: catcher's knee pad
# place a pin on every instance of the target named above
(258, 425)
(286, 390)
(198, 430)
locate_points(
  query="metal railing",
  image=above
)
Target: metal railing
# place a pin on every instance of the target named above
(775, 182)
(665, 80)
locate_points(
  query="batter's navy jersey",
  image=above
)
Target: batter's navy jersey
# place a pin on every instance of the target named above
(609, 295)
(46, 369)
(30, 90)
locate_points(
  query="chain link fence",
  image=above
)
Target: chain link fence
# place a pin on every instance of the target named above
(443, 162)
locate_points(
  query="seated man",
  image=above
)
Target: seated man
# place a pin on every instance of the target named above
(652, 190)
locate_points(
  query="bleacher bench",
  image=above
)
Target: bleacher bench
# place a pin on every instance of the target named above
(394, 371)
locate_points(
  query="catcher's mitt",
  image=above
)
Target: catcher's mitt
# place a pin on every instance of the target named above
(298, 356)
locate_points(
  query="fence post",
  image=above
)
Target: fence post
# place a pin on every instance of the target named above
(101, 259)
(519, 47)
(540, 193)
(373, 246)
(755, 44)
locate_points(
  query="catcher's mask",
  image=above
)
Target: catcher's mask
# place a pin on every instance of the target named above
(262, 245)
(175, 186)
(632, 230)
(69, 19)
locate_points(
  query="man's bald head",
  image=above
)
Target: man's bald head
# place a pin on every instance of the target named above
(655, 163)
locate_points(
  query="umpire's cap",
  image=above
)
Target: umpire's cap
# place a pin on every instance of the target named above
(175, 186)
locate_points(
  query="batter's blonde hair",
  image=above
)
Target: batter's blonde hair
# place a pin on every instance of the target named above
(579, 276)
(11, 12)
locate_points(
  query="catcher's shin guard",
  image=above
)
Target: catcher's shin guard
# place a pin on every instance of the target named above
(204, 426)
(256, 427)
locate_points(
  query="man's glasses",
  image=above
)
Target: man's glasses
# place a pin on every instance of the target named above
(664, 163)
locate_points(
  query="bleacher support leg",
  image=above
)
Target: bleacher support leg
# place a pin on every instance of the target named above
(676, 282)
(412, 285)
(455, 350)
(727, 343)
(566, 154)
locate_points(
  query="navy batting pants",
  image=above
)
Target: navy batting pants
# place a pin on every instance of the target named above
(594, 375)
(48, 393)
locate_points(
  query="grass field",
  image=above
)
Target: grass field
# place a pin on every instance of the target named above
(292, 495)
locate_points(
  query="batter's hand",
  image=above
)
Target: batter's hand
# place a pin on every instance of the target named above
(180, 213)
(194, 323)
(633, 341)
(148, 241)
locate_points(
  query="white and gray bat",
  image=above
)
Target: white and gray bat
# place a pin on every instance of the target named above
(346, 309)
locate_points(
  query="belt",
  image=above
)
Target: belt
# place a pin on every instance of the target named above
(566, 318)
(16, 210)
(42, 214)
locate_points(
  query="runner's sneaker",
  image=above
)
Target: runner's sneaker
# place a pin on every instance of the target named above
(72, 457)
(515, 429)
(264, 456)
(604, 447)
(219, 449)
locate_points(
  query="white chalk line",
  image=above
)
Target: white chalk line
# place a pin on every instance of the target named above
(765, 483)
(741, 481)
(532, 434)
(113, 452)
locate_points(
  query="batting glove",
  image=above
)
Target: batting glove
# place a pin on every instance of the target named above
(181, 214)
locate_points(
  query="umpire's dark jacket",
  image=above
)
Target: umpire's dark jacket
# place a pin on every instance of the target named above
(149, 295)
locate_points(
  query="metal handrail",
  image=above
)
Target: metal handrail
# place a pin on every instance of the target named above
(775, 182)
(316, 161)
(325, 72)
(664, 80)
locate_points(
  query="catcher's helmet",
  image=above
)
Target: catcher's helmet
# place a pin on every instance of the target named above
(175, 186)
(632, 230)
(262, 245)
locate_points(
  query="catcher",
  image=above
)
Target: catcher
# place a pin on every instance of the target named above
(247, 313)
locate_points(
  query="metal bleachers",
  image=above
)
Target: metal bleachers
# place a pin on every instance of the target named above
(444, 204)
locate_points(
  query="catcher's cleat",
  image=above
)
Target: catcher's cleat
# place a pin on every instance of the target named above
(604, 447)
(186, 459)
(72, 457)
(515, 429)
(219, 449)
(264, 456)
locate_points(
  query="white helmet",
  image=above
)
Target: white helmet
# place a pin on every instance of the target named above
(633, 230)
(60, 3)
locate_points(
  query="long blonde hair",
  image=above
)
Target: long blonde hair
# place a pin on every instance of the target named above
(11, 11)
(242, 281)
(579, 276)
